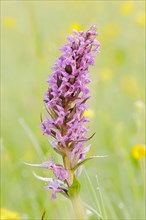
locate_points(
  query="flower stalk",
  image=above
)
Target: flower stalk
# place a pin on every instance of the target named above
(78, 208)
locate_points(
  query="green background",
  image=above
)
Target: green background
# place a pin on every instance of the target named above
(29, 46)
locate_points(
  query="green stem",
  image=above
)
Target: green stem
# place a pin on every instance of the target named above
(73, 191)
(78, 207)
(67, 167)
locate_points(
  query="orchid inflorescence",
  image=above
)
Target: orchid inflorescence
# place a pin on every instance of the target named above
(65, 103)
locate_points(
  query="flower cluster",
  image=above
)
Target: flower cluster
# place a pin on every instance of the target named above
(65, 102)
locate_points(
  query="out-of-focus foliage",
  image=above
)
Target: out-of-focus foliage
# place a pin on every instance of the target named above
(32, 32)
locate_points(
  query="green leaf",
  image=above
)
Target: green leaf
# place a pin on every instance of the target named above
(84, 161)
(43, 215)
(74, 189)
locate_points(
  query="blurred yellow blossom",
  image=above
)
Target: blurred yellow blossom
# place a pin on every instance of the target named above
(89, 113)
(140, 18)
(9, 22)
(106, 74)
(130, 84)
(76, 27)
(139, 151)
(127, 7)
(6, 214)
(112, 30)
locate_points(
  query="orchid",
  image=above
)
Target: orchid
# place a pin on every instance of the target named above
(65, 103)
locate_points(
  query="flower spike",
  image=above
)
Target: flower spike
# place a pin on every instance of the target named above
(65, 104)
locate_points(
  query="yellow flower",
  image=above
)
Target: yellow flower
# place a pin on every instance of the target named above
(112, 30)
(9, 22)
(89, 113)
(130, 84)
(106, 74)
(140, 18)
(76, 27)
(127, 7)
(9, 215)
(139, 151)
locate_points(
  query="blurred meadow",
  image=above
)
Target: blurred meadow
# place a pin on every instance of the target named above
(31, 34)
